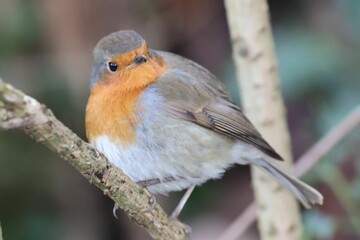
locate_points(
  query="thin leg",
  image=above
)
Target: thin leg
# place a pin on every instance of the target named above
(182, 202)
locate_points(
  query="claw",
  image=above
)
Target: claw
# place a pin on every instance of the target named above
(115, 208)
(153, 203)
(188, 229)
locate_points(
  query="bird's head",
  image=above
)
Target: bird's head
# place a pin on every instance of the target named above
(123, 58)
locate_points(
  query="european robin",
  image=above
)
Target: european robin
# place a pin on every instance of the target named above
(168, 123)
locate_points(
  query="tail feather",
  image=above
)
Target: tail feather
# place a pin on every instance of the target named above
(306, 194)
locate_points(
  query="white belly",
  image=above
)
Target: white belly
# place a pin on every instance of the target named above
(168, 147)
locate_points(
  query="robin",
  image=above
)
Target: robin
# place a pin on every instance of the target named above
(169, 124)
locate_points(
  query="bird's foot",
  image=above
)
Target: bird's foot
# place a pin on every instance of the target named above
(188, 229)
(115, 208)
(153, 203)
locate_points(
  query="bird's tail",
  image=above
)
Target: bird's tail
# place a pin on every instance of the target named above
(306, 194)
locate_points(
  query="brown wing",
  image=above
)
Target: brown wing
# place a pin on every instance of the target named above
(195, 95)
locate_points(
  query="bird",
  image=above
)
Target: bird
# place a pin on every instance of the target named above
(169, 123)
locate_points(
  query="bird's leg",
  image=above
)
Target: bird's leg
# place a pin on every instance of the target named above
(175, 214)
(148, 182)
(179, 207)
(154, 181)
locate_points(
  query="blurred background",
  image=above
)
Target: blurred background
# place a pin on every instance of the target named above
(46, 51)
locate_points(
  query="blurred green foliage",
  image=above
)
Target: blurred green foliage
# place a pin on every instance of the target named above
(19, 27)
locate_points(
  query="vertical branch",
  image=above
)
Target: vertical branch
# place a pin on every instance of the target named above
(253, 53)
(1, 237)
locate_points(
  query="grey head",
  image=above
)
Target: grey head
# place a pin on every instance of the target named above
(111, 45)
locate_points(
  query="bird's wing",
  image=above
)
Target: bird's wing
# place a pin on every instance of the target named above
(195, 95)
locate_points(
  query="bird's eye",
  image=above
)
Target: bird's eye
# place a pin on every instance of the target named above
(140, 59)
(113, 66)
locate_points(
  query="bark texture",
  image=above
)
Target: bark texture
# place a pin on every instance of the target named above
(253, 53)
(18, 110)
(1, 237)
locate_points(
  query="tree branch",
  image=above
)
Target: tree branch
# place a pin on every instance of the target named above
(304, 164)
(331, 139)
(18, 110)
(255, 62)
(1, 236)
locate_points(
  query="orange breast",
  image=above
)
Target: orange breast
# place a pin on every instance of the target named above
(113, 109)
(112, 113)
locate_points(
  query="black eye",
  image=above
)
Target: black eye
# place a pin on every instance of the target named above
(113, 66)
(140, 59)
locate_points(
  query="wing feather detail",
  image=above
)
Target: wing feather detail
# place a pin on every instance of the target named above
(194, 94)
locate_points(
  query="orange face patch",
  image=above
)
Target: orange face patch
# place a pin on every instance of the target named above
(124, 59)
(112, 108)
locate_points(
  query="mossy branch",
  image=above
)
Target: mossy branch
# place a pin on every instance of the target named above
(18, 110)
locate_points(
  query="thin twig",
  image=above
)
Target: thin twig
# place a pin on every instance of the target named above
(341, 187)
(322, 147)
(304, 164)
(241, 224)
